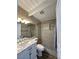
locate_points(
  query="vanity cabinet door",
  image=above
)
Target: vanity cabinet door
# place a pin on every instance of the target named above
(26, 54)
(23, 55)
(33, 56)
(33, 52)
(20, 56)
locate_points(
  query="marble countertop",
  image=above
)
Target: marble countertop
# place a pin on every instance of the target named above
(25, 43)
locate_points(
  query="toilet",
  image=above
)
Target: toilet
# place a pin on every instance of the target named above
(40, 48)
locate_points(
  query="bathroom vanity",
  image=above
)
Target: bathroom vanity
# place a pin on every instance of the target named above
(26, 49)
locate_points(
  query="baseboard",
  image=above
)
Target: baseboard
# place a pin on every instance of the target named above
(51, 52)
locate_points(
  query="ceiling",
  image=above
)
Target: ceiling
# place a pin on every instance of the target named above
(34, 7)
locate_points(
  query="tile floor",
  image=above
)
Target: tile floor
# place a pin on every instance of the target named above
(47, 56)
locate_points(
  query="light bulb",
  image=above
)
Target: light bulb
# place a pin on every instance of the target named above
(26, 22)
(19, 19)
(23, 21)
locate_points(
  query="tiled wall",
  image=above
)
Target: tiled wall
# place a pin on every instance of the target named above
(47, 34)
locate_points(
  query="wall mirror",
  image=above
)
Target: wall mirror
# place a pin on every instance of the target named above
(25, 30)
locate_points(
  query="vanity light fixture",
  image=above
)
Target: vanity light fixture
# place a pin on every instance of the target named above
(26, 22)
(23, 21)
(19, 20)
